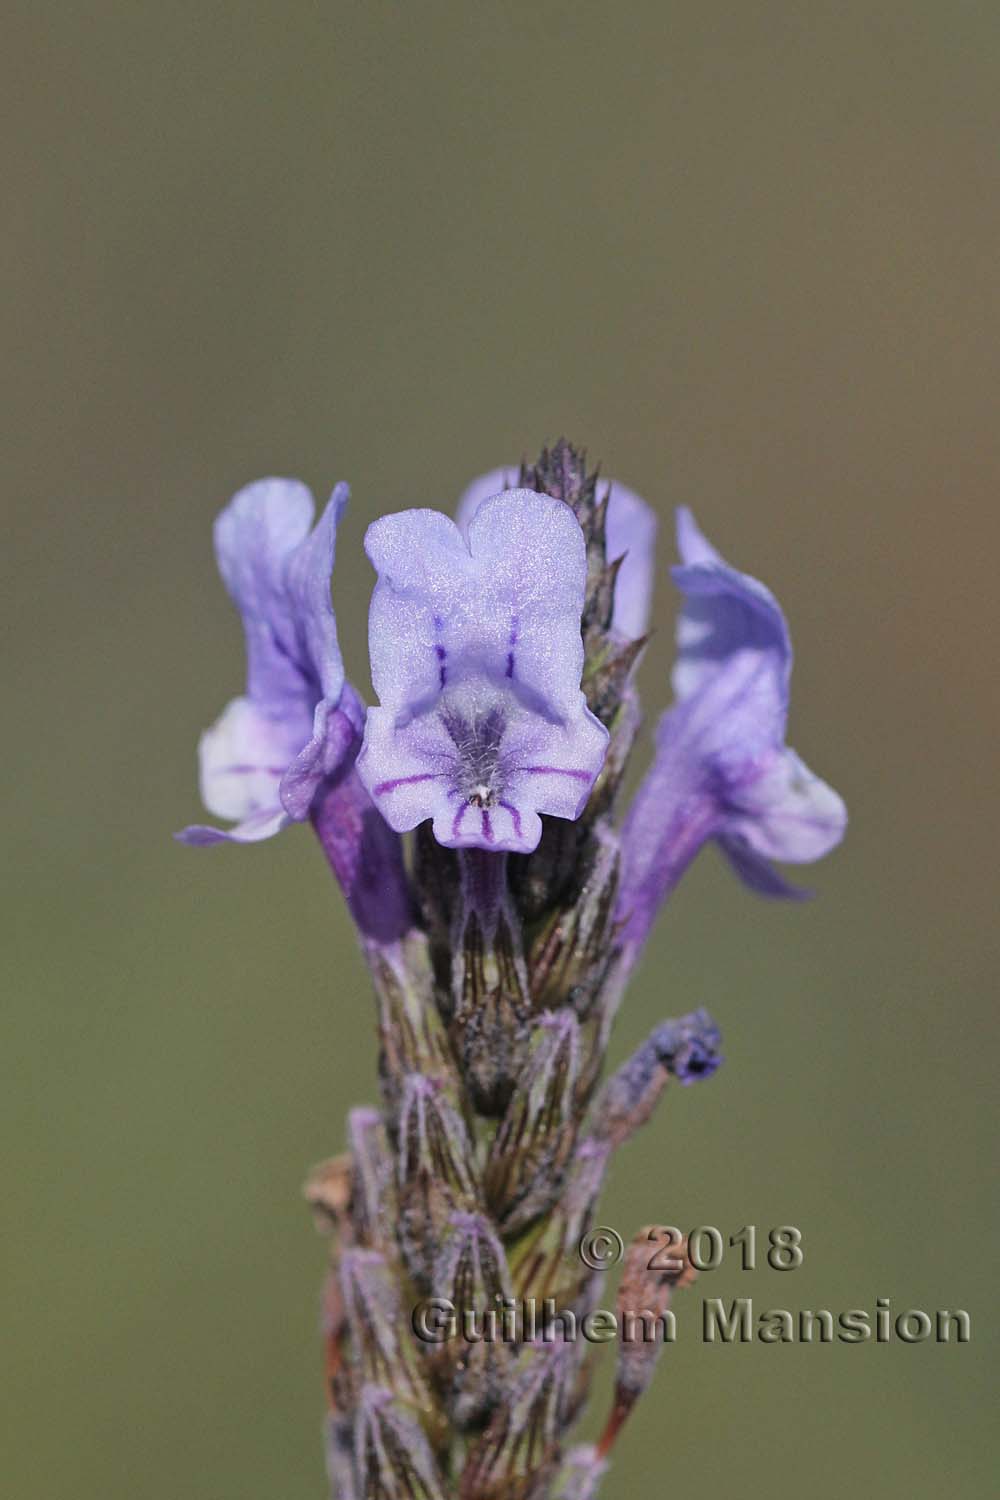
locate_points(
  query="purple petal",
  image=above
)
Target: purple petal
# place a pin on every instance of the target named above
(424, 769)
(531, 568)
(631, 531)
(278, 574)
(365, 855)
(308, 590)
(243, 758)
(552, 767)
(730, 624)
(484, 488)
(693, 545)
(672, 815)
(426, 577)
(336, 732)
(270, 749)
(758, 874)
(408, 770)
(255, 537)
(503, 828)
(785, 812)
(260, 825)
(515, 586)
(721, 769)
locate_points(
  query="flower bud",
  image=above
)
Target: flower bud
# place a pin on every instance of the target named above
(623, 727)
(471, 1274)
(549, 878)
(530, 1151)
(611, 651)
(327, 1190)
(373, 1188)
(491, 997)
(333, 1324)
(382, 1347)
(339, 1445)
(545, 1262)
(580, 1475)
(608, 673)
(411, 1034)
(562, 471)
(601, 595)
(650, 1274)
(572, 952)
(519, 1451)
(686, 1049)
(434, 1172)
(392, 1456)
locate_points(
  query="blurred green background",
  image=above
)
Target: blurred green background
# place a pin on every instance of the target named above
(747, 253)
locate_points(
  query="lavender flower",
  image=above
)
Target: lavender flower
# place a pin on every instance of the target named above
(503, 652)
(264, 758)
(722, 770)
(285, 751)
(476, 658)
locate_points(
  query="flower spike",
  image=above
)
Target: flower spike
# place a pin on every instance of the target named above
(463, 1258)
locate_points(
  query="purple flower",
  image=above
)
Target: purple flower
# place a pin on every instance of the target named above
(476, 658)
(630, 532)
(263, 759)
(721, 768)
